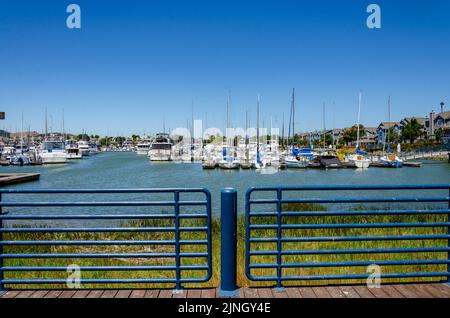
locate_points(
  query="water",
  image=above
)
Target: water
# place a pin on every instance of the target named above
(126, 170)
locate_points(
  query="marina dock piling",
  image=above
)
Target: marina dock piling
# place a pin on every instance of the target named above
(228, 246)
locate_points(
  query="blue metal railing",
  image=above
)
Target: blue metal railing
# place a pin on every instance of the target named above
(282, 227)
(174, 218)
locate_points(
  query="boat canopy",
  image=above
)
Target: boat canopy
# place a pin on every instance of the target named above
(360, 152)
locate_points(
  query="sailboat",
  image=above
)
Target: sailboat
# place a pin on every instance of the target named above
(258, 163)
(245, 163)
(294, 159)
(359, 158)
(228, 161)
(389, 159)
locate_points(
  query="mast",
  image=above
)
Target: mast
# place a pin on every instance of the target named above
(359, 118)
(389, 122)
(282, 133)
(323, 124)
(290, 123)
(257, 129)
(63, 130)
(46, 125)
(246, 135)
(21, 137)
(293, 113)
(192, 131)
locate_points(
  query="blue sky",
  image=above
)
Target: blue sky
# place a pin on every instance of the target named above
(135, 62)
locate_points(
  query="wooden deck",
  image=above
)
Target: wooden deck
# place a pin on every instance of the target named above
(14, 178)
(386, 291)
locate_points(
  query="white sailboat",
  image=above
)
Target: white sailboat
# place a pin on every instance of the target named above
(228, 161)
(389, 159)
(359, 158)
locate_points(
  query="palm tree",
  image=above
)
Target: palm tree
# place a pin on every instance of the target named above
(442, 107)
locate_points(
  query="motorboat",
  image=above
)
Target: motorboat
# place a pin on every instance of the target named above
(161, 148)
(52, 152)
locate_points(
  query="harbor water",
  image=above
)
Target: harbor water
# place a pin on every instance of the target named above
(127, 170)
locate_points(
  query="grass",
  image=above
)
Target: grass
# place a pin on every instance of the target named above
(242, 280)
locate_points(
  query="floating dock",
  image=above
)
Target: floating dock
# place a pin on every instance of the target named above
(14, 178)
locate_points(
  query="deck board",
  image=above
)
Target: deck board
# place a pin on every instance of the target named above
(436, 290)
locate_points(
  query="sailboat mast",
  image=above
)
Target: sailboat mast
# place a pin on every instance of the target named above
(21, 137)
(246, 135)
(359, 118)
(257, 125)
(293, 112)
(389, 120)
(192, 131)
(63, 128)
(46, 125)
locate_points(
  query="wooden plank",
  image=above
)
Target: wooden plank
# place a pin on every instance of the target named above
(25, 294)
(435, 292)
(179, 294)
(420, 290)
(138, 293)
(67, 294)
(110, 293)
(165, 293)
(208, 293)
(81, 293)
(95, 294)
(363, 291)
(406, 291)
(349, 292)
(265, 293)
(444, 288)
(53, 294)
(152, 293)
(123, 293)
(335, 292)
(194, 293)
(392, 292)
(39, 294)
(379, 292)
(250, 292)
(293, 292)
(10, 294)
(307, 292)
(279, 293)
(321, 292)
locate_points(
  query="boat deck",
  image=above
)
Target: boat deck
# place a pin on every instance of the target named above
(360, 291)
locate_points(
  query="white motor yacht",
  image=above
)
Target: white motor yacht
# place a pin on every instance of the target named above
(52, 152)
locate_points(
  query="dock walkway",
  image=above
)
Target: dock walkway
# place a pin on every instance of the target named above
(14, 178)
(356, 291)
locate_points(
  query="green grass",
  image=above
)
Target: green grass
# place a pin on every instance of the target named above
(242, 280)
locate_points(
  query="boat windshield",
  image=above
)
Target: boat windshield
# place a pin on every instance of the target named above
(157, 146)
(53, 145)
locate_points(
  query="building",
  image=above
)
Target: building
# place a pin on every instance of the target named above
(383, 128)
(436, 121)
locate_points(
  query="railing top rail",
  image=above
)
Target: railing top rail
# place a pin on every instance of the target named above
(132, 190)
(352, 187)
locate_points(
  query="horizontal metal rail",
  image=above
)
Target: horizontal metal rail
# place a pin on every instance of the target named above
(275, 239)
(165, 230)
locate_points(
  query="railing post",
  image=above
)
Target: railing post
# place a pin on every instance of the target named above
(228, 246)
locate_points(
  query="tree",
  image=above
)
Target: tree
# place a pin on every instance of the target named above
(351, 134)
(442, 106)
(393, 136)
(411, 131)
(135, 137)
(438, 134)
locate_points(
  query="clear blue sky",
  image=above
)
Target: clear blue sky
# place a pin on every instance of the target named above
(134, 62)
